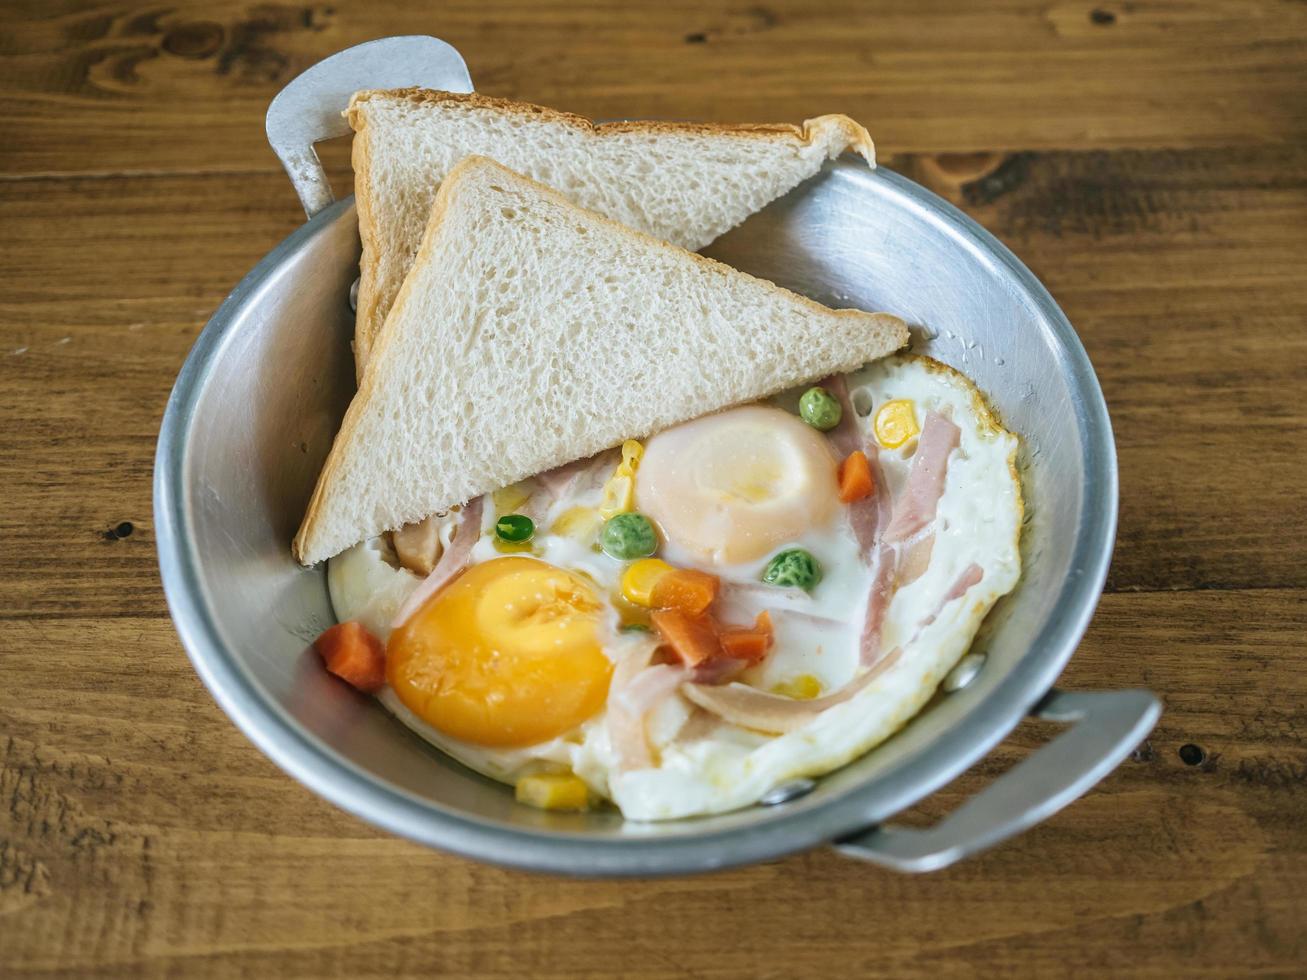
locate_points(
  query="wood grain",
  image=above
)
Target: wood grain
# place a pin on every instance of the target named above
(146, 838)
(1125, 241)
(88, 88)
(1146, 160)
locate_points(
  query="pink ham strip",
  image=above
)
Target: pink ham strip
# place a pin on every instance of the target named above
(563, 480)
(915, 507)
(718, 670)
(451, 562)
(845, 437)
(971, 575)
(878, 600)
(869, 515)
(699, 726)
(559, 480)
(749, 707)
(914, 559)
(869, 518)
(566, 480)
(625, 729)
(637, 690)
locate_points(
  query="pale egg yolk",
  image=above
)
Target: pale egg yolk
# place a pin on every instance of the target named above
(733, 487)
(506, 655)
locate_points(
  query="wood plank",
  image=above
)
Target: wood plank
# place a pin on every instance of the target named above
(1145, 159)
(142, 836)
(1181, 273)
(104, 285)
(132, 86)
(1182, 279)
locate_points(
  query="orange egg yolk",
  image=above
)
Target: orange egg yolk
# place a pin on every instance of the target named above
(506, 655)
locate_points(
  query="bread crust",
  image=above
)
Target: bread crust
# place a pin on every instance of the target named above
(369, 262)
(857, 136)
(467, 168)
(367, 323)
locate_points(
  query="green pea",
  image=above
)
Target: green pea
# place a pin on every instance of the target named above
(634, 628)
(820, 409)
(793, 568)
(515, 527)
(628, 536)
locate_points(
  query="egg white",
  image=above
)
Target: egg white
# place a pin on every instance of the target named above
(708, 766)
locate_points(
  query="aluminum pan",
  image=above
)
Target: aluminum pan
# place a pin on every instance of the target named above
(271, 373)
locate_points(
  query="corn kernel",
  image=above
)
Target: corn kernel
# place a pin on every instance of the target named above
(619, 491)
(553, 791)
(896, 423)
(639, 579)
(578, 523)
(801, 687)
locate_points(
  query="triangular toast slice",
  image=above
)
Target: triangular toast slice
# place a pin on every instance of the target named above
(531, 332)
(683, 182)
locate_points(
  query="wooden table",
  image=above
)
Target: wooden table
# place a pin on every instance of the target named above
(1147, 160)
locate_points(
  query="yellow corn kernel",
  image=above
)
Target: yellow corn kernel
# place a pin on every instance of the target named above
(801, 687)
(553, 791)
(509, 499)
(578, 523)
(639, 579)
(896, 423)
(619, 491)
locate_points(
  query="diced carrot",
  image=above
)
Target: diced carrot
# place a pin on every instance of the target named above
(691, 638)
(354, 655)
(686, 589)
(855, 477)
(744, 644)
(750, 644)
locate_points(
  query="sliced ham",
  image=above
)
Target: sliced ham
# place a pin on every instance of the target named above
(576, 476)
(744, 600)
(889, 535)
(452, 561)
(878, 599)
(558, 481)
(699, 726)
(625, 726)
(870, 514)
(749, 707)
(846, 437)
(718, 670)
(569, 480)
(916, 505)
(971, 575)
(869, 518)
(638, 689)
(914, 559)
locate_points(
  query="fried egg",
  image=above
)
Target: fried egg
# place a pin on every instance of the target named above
(734, 487)
(529, 661)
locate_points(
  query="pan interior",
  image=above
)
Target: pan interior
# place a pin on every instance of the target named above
(256, 409)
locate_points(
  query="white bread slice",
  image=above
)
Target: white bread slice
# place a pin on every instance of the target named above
(684, 182)
(531, 332)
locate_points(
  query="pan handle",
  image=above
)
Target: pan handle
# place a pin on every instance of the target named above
(309, 108)
(1107, 725)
